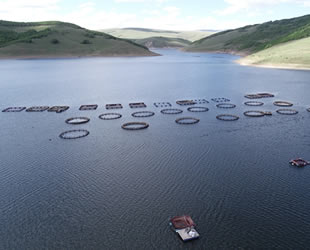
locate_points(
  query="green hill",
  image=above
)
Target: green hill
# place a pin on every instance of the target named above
(140, 33)
(58, 39)
(294, 54)
(163, 42)
(254, 38)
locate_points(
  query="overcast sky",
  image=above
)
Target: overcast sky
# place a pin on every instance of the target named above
(160, 14)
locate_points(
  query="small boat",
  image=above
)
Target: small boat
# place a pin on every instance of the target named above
(299, 162)
(184, 226)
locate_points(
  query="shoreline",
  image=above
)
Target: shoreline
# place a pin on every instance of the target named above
(230, 52)
(273, 66)
(243, 63)
(69, 56)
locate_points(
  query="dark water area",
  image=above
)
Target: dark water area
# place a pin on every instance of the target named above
(117, 189)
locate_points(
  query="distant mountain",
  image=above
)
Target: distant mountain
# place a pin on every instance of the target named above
(141, 33)
(212, 31)
(151, 30)
(163, 42)
(254, 38)
(59, 39)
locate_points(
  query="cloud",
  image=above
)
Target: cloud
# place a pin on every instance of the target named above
(172, 11)
(140, 1)
(171, 18)
(235, 6)
(8, 5)
(23, 10)
(306, 3)
(88, 15)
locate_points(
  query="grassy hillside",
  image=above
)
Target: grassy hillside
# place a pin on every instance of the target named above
(294, 54)
(254, 38)
(139, 33)
(58, 39)
(163, 42)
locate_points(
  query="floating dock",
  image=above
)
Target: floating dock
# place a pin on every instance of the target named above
(187, 234)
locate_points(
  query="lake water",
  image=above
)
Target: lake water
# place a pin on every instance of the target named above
(117, 189)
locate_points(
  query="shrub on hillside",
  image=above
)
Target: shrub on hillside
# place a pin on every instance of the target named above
(55, 41)
(85, 42)
(90, 35)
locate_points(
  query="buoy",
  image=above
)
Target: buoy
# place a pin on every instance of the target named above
(220, 99)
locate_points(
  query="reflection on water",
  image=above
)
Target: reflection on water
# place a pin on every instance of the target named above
(117, 189)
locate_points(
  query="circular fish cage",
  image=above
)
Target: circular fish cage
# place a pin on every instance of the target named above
(141, 114)
(266, 95)
(185, 102)
(77, 120)
(254, 103)
(287, 111)
(187, 120)
(110, 116)
(283, 104)
(227, 117)
(225, 105)
(74, 134)
(37, 109)
(253, 96)
(254, 113)
(259, 95)
(197, 109)
(14, 109)
(171, 111)
(135, 125)
(220, 99)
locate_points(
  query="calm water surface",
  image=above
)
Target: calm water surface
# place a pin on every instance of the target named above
(117, 189)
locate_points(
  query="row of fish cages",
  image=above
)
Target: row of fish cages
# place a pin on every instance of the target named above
(88, 107)
(221, 102)
(167, 107)
(183, 120)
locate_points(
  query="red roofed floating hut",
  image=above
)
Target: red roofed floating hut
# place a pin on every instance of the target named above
(299, 162)
(184, 226)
